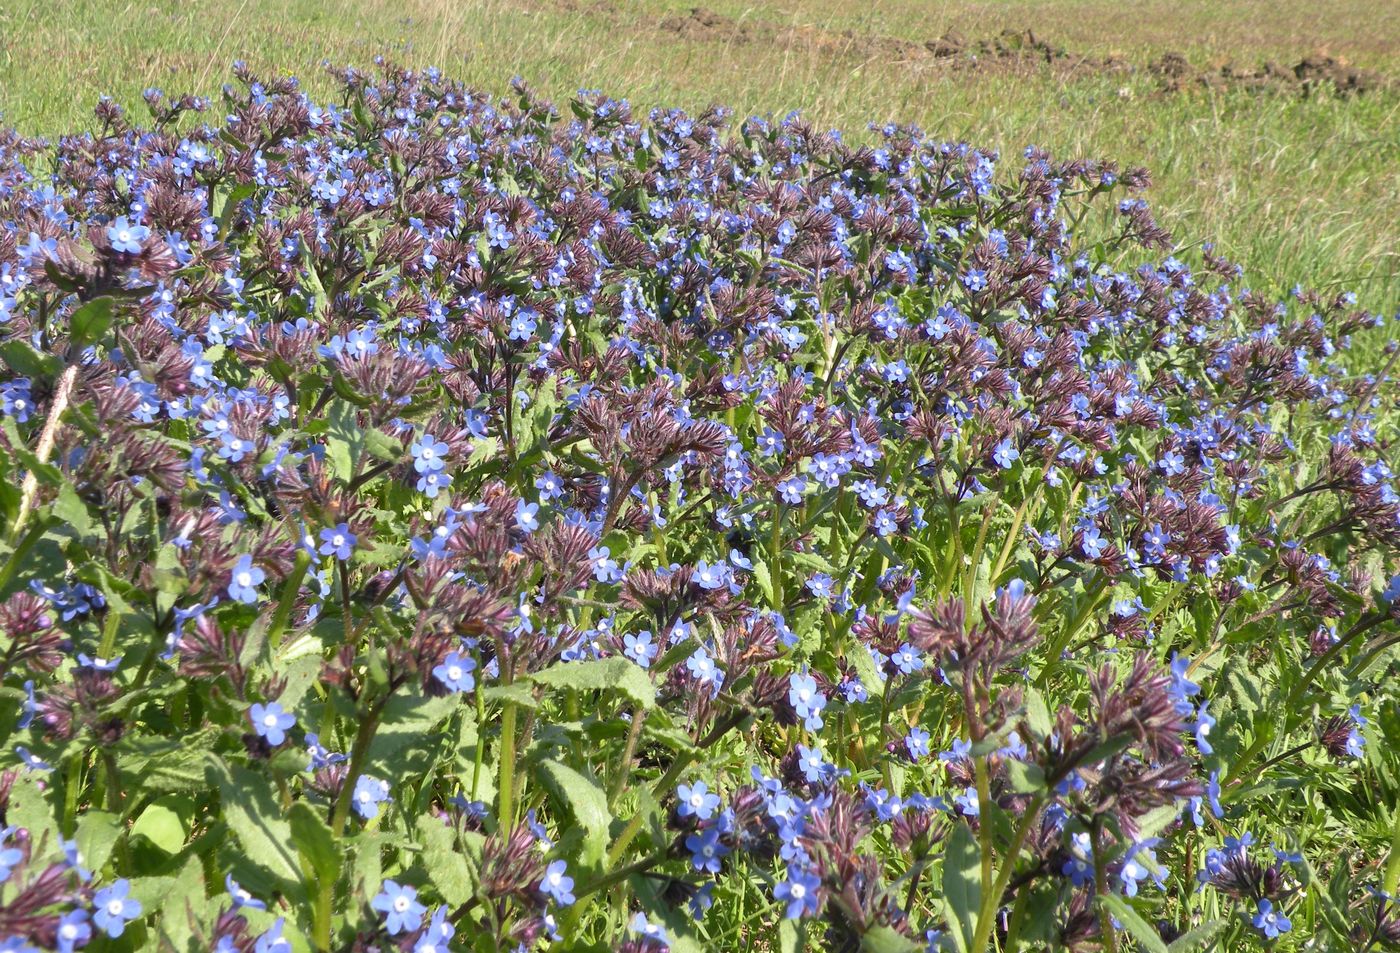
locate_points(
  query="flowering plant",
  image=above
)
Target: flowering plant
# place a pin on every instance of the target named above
(434, 522)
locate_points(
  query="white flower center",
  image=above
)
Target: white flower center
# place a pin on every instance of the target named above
(245, 579)
(454, 672)
(270, 720)
(798, 891)
(115, 907)
(400, 903)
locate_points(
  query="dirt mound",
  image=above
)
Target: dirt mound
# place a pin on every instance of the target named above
(704, 24)
(1022, 52)
(1308, 76)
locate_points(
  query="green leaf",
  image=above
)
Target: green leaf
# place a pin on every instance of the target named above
(21, 357)
(962, 884)
(402, 745)
(1139, 928)
(452, 875)
(611, 674)
(268, 860)
(165, 822)
(1196, 938)
(1038, 713)
(312, 837)
(882, 939)
(583, 797)
(91, 321)
(345, 440)
(1024, 778)
(97, 834)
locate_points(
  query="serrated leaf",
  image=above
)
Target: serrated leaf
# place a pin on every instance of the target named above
(610, 674)
(401, 745)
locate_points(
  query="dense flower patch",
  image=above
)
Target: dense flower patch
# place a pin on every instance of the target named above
(434, 522)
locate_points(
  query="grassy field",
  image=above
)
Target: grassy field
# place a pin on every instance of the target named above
(1299, 189)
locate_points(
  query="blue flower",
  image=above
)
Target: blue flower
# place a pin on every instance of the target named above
(793, 489)
(439, 931)
(273, 941)
(126, 237)
(800, 891)
(711, 577)
(640, 648)
(73, 931)
(399, 904)
(906, 659)
(917, 743)
(338, 542)
(557, 884)
(1204, 723)
(455, 672)
(241, 897)
(1270, 922)
(113, 908)
(429, 454)
(271, 722)
(706, 851)
(370, 792)
(605, 568)
(1006, 454)
(429, 484)
(244, 580)
(696, 800)
(807, 700)
(526, 516)
(10, 857)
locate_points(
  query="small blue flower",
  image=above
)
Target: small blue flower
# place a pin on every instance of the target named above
(696, 800)
(917, 743)
(1270, 922)
(126, 237)
(370, 792)
(706, 851)
(271, 722)
(113, 908)
(455, 672)
(640, 648)
(906, 659)
(800, 891)
(711, 577)
(244, 581)
(399, 904)
(73, 931)
(241, 898)
(429, 454)
(338, 542)
(1006, 454)
(557, 884)
(526, 516)
(273, 941)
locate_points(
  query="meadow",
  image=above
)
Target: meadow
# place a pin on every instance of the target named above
(1301, 190)
(898, 478)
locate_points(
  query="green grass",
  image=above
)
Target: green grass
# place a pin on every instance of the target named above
(1298, 190)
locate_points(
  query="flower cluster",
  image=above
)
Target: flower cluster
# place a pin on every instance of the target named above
(470, 523)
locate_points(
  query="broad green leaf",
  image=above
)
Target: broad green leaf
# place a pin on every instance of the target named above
(452, 875)
(91, 321)
(313, 839)
(165, 822)
(402, 745)
(962, 884)
(882, 939)
(268, 860)
(1139, 928)
(585, 800)
(96, 836)
(611, 674)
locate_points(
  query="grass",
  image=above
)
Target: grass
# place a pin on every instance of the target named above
(1298, 190)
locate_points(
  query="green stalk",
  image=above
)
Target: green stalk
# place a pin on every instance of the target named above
(505, 805)
(991, 900)
(1392, 864)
